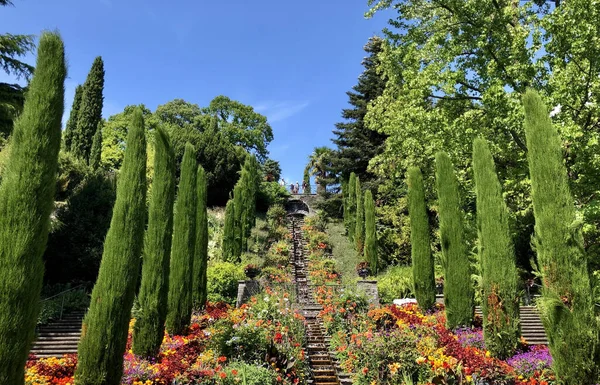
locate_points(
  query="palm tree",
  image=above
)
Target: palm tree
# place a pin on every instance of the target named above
(319, 163)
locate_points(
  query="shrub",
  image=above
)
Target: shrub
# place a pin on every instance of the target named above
(222, 283)
(370, 233)
(51, 309)
(395, 282)
(248, 374)
(270, 194)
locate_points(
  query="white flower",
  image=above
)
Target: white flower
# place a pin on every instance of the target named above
(266, 299)
(555, 111)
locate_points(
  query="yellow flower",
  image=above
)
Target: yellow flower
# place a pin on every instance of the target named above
(488, 354)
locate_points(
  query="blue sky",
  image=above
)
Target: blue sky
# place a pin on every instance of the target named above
(292, 61)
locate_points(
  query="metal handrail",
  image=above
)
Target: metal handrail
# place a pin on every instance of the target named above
(62, 294)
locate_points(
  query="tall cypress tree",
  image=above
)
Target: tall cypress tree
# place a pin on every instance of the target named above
(96, 154)
(238, 200)
(71, 126)
(307, 189)
(90, 111)
(359, 229)
(567, 304)
(345, 201)
(422, 258)
(229, 231)
(149, 326)
(458, 291)
(500, 302)
(26, 201)
(181, 276)
(370, 233)
(201, 260)
(351, 226)
(106, 324)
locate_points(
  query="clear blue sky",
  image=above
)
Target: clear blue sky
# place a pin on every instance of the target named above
(292, 60)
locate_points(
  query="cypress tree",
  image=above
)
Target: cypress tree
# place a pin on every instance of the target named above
(422, 258)
(181, 276)
(71, 126)
(26, 201)
(567, 304)
(238, 233)
(370, 233)
(96, 154)
(500, 301)
(351, 205)
(106, 324)
(307, 189)
(359, 229)
(90, 111)
(201, 260)
(229, 231)
(345, 201)
(149, 326)
(458, 291)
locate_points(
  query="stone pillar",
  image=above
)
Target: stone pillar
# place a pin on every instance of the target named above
(370, 289)
(246, 289)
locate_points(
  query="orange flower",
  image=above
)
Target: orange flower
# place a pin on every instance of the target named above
(222, 359)
(222, 375)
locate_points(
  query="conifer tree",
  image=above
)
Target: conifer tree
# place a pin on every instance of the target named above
(500, 301)
(238, 204)
(26, 201)
(307, 189)
(90, 111)
(201, 260)
(148, 331)
(351, 206)
(422, 258)
(359, 229)
(567, 304)
(71, 126)
(229, 232)
(96, 153)
(106, 324)
(370, 233)
(458, 291)
(181, 276)
(345, 201)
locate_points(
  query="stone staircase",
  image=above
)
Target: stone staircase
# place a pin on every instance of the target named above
(532, 328)
(59, 337)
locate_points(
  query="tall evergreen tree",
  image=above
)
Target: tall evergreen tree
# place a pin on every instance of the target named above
(359, 228)
(356, 144)
(229, 232)
(351, 225)
(106, 324)
(238, 200)
(500, 301)
(201, 260)
(370, 233)
(149, 326)
(567, 304)
(96, 153)
(422, 258)
(90, 111)
(345, 201)
(458, 291)
(71, 126)
(306, 179)
(181, 276)
(26, 201)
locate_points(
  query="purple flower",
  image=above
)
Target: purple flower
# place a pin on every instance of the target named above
(538, 358)
(471, 337)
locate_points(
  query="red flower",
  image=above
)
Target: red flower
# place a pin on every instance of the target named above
(278, 338)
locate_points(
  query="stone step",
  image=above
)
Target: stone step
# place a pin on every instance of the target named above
(61, 342)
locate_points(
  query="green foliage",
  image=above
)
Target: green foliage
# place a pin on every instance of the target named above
(106, 324)
(269, 194)
(306, 180)
(12, 97)
(248, 374)
(500, 302)
(422, 259)
(201, 259)
(90, 111)
(26, 202)
(276, 216)
(458, 292)
(238, 224)
(96, 151)
(567, 302)
(395, 282)
(223, 280)
(271, 171)
(359, 228)
(319, 165)
(181, 276)
(71, 126)
(229, 232)
(52, 307)
(148, 331)
(351, 225)
(370, 233)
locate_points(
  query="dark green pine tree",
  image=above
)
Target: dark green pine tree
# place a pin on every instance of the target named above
(500, 301)
(359, 228)
(96, 154)
(229, 232)
(351, 225)
(306, 179)
(106, 324)
(458, 291)
(149, 326)
(201, 260)
(26, 201)
(567, 303)
(238, 204)
(356, 144)
(370, 233)
(71, 126)
(422, 258)
(90, 111)
(181, 278)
